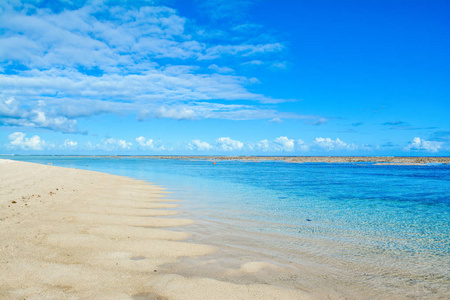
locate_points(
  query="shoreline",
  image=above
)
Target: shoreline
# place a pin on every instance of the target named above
(74, 233)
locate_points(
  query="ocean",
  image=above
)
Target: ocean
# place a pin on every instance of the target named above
(380, 231)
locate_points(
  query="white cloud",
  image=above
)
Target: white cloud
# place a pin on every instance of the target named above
(254, 62)
(12, 113)
(154, 95)
(155, 85)
(18, 140)
(227, 144)
(279, 65)
(320, 121)
(329, 145)
(301, 146)
(107, 37)
(94, 35)
(150, 144)
(284, 144)
(198, 145)
(276, 120)
(280, 144)
(123, 144)
(142, 141)
(104, 59)
(91, 146)
(244, 50)
(42, 119)
(263, 145)
(202, 110)
(421, 144)
(70, 143)
(247, 27)
(114, 144)
(177, 113)
(9, 108)
(369, 147)
(218, 69)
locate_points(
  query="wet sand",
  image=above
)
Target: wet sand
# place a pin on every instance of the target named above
(68, 234)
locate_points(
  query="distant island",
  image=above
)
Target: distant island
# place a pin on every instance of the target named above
(378, 160)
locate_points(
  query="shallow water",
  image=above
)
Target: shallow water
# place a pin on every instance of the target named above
(357, 226)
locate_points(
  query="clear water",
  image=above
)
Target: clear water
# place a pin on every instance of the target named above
(391, 223)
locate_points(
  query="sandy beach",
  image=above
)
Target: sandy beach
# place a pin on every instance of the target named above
(75, 234)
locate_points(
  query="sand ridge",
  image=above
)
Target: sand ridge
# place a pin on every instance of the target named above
(75, 234)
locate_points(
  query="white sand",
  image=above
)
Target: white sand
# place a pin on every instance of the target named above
(78, 234)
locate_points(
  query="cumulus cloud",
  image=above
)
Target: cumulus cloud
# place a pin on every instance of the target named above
(198, 145)
(301, 146)
(418, 144)
(59, 123)
(18, 140)
(147, 143)
(116, 144)
(9, 108)
(280, 144)
(284, 144)
(13, 113)
(227, 144)
(70, 143)
(329, 144)
(263, 145)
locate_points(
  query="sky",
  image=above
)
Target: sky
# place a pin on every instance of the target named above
(225, 77)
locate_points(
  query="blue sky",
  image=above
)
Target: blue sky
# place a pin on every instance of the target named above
(225, 77)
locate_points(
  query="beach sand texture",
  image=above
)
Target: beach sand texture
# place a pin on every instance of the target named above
(68, 234)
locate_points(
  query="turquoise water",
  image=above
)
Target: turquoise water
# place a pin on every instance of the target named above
(356, 216)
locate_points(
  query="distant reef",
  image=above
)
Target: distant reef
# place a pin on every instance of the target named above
(377, 160)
